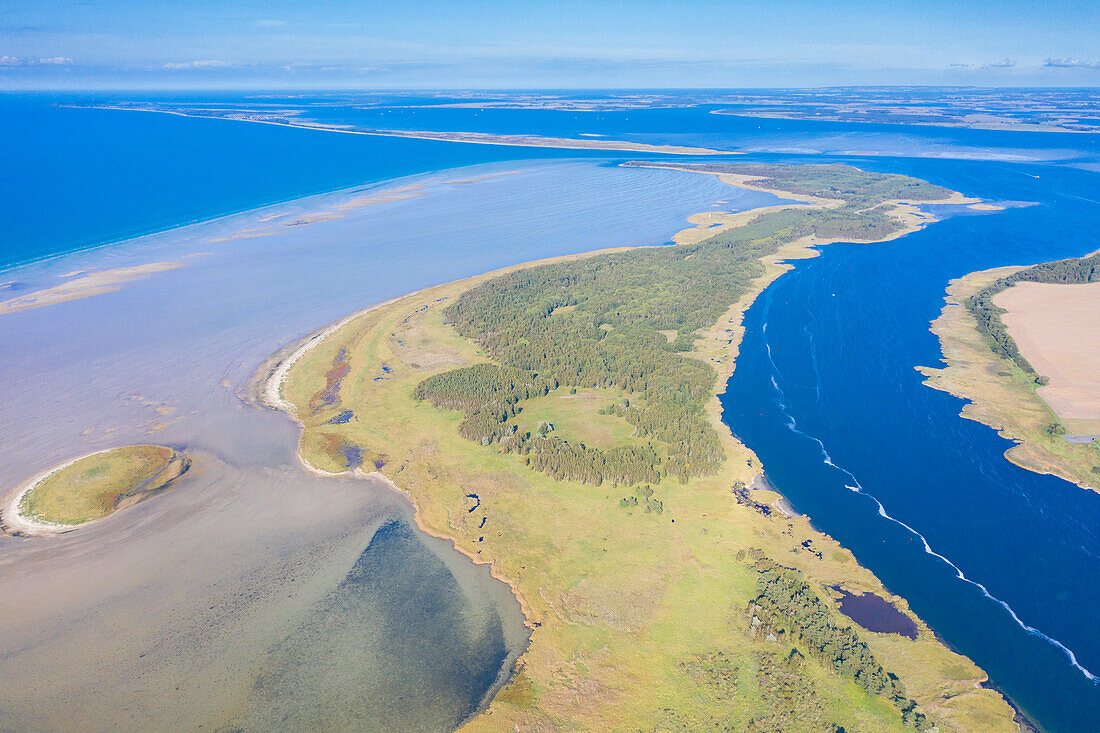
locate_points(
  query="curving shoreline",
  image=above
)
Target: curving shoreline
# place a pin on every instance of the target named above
(476, 138)
(716, 346)
(12, 512)
(998, 393)
(15, 521)
(268, 389)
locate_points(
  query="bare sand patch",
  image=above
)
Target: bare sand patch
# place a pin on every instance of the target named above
(537, 141)
(1055, 327)
(336, 212)
(97, 283)
(395, 194)
(247, 234)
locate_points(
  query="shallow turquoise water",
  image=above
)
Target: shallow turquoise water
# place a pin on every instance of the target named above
(81, 177)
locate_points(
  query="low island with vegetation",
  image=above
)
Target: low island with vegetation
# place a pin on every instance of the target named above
(1054, 425)
(560, 421)
(92, 487)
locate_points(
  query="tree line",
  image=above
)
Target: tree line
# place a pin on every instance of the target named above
(601, 322)
(988, 316)
(786, 604)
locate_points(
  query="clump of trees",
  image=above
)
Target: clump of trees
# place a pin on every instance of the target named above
(601, 322)
(988, 316)
(785, 604)
(567, 461)
(834, 180)
(488, 393)
(643, 496)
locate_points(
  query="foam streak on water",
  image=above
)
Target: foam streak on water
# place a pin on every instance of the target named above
(792, 425)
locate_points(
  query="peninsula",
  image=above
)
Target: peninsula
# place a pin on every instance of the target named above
(1021, 347)
(295, 118)
(560, 421)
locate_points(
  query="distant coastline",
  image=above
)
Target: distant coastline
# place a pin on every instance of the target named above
(479, 138)
(990, 123)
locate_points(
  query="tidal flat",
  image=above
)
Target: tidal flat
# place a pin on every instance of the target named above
(255, 578)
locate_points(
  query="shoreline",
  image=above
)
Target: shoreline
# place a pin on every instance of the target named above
(994, 391)
(717, 345)
(267, 391)
(14, 521)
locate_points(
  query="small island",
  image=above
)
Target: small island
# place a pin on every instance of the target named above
(91, 487)
(560, 421)
(1021, 347)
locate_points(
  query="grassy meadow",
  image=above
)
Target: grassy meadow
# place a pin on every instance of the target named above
(640, 619)
(97, 485)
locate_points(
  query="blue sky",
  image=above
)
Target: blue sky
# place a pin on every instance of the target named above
(564, 44)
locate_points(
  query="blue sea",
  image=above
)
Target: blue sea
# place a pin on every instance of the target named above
(1002, 563)
(79, 177)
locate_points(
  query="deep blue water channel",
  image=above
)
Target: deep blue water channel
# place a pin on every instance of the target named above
(826, 394)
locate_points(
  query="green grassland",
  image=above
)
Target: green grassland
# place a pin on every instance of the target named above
(641, 620)
(579, 416)
(985, 367)
(99, 484)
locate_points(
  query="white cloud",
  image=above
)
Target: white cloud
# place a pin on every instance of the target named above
(1003, 64)
(57, 61)
(200, 64)
(9, 61)
(1071, 64)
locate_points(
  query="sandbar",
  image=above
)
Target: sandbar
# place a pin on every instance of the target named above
(97, 283)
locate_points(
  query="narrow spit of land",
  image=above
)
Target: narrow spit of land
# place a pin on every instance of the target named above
(1036, 393)
(292, 118)
(560, 420)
